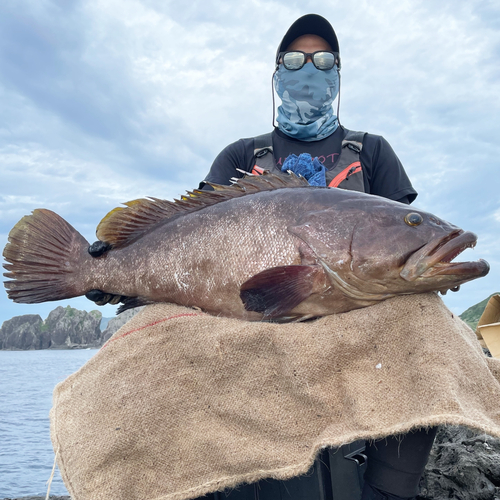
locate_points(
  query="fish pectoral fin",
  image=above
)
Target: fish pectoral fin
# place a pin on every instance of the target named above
(276, 291)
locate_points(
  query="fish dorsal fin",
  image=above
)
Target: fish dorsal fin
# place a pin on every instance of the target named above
(123, 225)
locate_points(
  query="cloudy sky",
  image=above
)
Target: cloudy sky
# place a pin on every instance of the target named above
(103, 101)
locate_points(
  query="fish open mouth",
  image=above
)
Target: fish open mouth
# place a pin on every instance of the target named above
(435, 259)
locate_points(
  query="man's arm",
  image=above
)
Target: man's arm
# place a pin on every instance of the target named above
(385, 173)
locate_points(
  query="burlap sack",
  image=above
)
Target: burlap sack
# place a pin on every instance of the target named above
(179, 403)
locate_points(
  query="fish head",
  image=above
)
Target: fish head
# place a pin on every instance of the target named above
(408, 250)
(377, 248)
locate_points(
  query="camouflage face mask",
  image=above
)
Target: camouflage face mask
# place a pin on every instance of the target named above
(307, 95)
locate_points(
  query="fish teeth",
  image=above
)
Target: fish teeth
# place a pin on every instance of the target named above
(449, 258)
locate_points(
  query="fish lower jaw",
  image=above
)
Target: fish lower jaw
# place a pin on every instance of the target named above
(460, 270)
(437, 269)
(444, 276)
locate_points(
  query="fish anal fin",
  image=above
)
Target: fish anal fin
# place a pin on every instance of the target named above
(276, 291)
(133, 302)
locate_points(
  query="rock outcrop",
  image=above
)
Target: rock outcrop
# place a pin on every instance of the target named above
(70, 327)
(65, 328)
(464, 465)
(24, 332)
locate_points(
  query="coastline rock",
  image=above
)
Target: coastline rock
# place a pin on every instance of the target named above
(25, 332)
(117, 322)
(70, 327)
(65, 328)
(464, 465)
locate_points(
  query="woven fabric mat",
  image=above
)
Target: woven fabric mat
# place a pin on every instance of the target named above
(179, 403)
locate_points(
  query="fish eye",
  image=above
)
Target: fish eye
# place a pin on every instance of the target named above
(414, 219)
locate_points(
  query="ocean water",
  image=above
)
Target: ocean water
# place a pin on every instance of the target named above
(27, 379)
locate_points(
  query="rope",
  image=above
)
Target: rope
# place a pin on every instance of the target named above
(49, 482)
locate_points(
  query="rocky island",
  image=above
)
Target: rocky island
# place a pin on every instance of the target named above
(69, 328)
(64, 328)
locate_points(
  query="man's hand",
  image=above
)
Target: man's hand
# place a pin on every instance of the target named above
(98, 248)
(101, 298)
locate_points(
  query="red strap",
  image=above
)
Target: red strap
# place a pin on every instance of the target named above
(353, 168)
(146, 326)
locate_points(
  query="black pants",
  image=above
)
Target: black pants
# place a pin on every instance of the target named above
(396, 463)
(393, 472)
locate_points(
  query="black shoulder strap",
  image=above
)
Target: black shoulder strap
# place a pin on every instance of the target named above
(347, 172)
(264, 141)
(354, 140)
(263, 152)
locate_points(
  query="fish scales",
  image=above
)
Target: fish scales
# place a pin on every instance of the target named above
(216, 258)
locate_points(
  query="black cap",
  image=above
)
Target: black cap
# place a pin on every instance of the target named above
(310, 24)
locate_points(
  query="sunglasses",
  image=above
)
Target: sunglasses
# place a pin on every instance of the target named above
(322, 59)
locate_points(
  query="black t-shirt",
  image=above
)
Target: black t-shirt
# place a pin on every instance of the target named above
(384, 174)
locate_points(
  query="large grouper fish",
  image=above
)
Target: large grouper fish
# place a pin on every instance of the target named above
(265, 248)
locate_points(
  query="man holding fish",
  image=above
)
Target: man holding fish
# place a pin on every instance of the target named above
(326, 250)
(309, 140)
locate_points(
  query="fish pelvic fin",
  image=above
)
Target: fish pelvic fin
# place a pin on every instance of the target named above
(43, 256)
(276, 291)
(123, 225)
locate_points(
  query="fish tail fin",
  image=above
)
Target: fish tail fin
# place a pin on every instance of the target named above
(44, 255)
